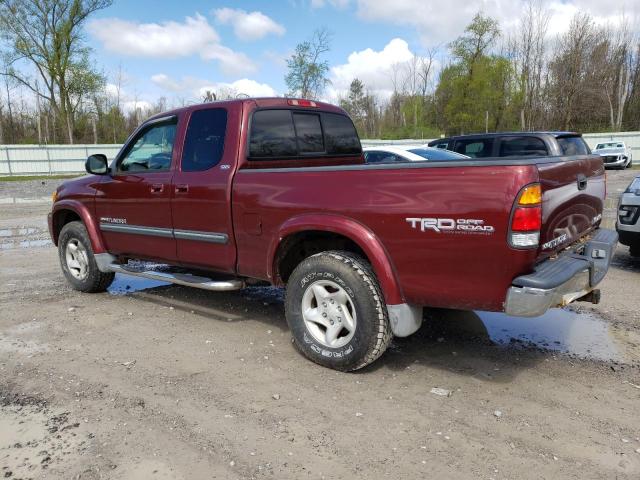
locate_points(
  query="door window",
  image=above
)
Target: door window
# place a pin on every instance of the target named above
(150, 150)
(204, 141)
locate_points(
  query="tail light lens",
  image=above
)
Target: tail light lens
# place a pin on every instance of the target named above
(526, 218)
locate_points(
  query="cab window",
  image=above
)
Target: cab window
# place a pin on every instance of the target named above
(151, 149)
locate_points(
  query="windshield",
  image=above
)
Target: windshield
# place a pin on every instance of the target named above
(600, 146)
(437, 155)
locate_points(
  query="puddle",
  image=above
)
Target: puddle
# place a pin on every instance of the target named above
(125, 284)
(582, 335)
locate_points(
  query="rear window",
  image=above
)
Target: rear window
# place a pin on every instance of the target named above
(308, 132)
(289, 133)
(522, 147)
(475, 148)
(272, 134)
(204, 140)
(573, 146)
(340, 134)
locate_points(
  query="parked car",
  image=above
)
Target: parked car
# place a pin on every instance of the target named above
(515, 144)
(234, 193)
(614, 154)
(628, 224)
(408, 153)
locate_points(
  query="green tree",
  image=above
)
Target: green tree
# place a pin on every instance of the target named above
(46, 37)
(307, 75)
(477, 86)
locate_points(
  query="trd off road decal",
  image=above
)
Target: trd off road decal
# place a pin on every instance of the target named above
(467, 226)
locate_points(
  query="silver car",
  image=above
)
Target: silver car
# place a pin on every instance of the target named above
(628, 224)
(614, 154)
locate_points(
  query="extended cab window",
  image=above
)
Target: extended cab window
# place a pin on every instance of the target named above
(522, 146)
(282, 133)
(151, 149)
(204, 141)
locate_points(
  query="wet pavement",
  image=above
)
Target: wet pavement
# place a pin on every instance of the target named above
(583, 335)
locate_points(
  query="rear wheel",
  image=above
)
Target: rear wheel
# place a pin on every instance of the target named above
(77, 261)
(336, 312)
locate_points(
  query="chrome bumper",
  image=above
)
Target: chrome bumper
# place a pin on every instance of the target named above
(558, 282)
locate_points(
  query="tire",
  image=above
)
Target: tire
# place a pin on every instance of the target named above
(349, 327)
(634, 250)
(77, 261)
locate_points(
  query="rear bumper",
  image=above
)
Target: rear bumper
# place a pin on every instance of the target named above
(560, 281)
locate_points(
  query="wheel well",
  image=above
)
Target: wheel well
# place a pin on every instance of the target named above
(61, 218)
(295, 248)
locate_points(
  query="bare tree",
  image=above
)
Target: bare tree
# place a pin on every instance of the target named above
(46, 36)
(307, 75)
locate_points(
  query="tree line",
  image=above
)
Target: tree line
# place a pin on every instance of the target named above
(586, 79)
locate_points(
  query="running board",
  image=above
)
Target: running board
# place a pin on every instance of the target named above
(185, 279)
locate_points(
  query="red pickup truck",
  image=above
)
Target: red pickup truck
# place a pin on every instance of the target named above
(276, 190)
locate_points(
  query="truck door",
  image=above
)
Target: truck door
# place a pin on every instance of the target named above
(201, 196)
(133, 204)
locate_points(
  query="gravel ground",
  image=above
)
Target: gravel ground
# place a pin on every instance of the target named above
(158, 381)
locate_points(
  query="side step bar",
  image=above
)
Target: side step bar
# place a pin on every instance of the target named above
(107, 263)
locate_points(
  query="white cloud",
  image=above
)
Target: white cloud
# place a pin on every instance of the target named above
(197, 87)
(374, 68)
(441, 22)
(232, 63)
(195, 36)
(165, 39)
(132, 105)
(248, 26)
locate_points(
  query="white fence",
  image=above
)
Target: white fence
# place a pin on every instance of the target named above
(49, 159)
(61, 159)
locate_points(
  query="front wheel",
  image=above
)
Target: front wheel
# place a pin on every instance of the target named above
(336, 312)
(77, 261)
(634, 250)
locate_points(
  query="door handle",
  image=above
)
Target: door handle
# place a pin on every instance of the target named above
(157, 188)
(182, 188)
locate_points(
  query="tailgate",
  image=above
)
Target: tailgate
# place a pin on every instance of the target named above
(573, 193)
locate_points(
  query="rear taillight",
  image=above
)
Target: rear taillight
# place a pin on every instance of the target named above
(526, 218)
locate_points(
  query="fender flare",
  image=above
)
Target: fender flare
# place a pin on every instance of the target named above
(360, 234)
(89, 221)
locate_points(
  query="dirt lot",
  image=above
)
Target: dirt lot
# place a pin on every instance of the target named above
(151, 381)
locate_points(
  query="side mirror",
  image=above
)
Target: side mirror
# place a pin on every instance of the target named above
(97, 164)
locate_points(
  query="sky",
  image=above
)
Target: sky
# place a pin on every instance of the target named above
(181, 49)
